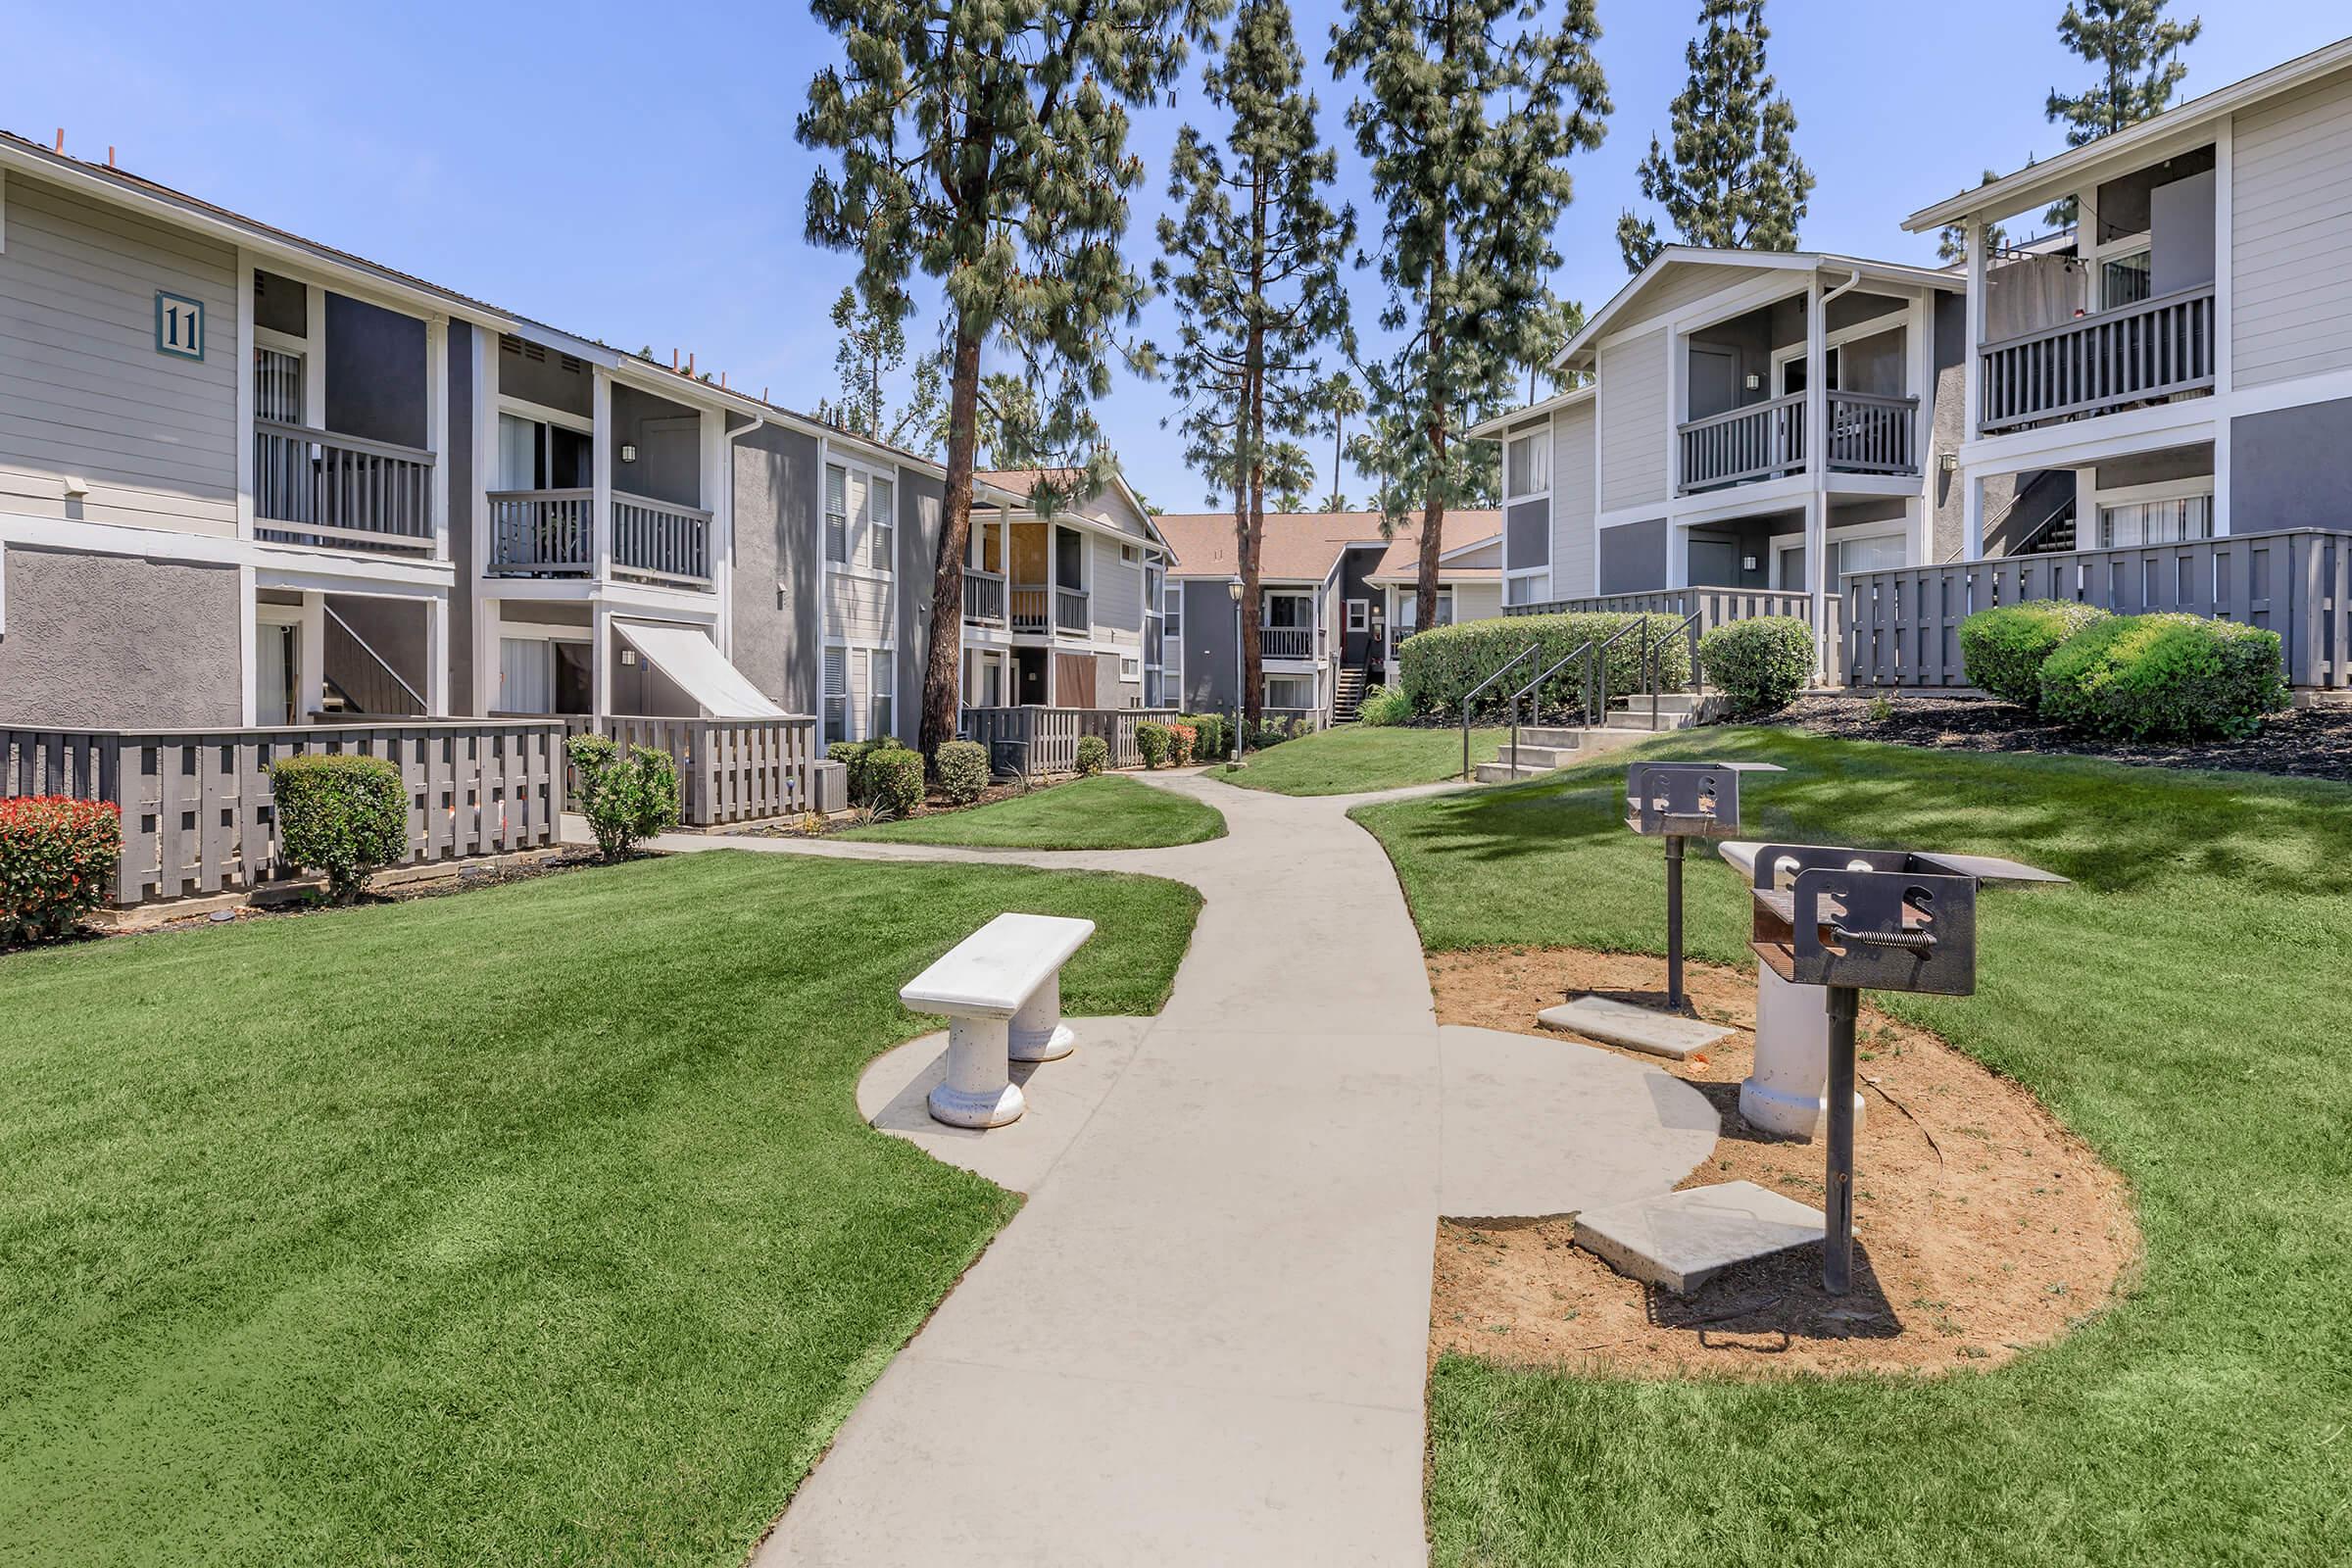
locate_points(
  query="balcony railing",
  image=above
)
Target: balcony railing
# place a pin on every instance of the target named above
(2099, 364)
(1032, 607)
(314, 487)
(1870, 433)
(551, 533)
(1070, 611)
(983, 597)
(1286, 642)
(1750, 443)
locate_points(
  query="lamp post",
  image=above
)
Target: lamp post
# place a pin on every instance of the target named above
(1241, 670)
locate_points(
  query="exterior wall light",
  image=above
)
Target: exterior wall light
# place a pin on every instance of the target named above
(628, 451)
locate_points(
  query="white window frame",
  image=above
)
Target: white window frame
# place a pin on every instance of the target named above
(881, 693)
(2131, 495)
(828, 693)
(1266, 692)
(857, 528)
(1359, 616)
(1510, 579)
(1843, 533)
(881, 531)
(1832, 342)
(1539, 441)
(2116, 250)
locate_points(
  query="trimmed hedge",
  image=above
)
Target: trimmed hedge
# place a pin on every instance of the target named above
(1438, 667)
(58, 856)
(1213, 734)
(2165, 677)
(2003, 649)
(894, 778)
(1761, 664)
(1153, 740)
(625, 798)
(1384, 704)
(962, 770)
(340, 814)
(1094, 754)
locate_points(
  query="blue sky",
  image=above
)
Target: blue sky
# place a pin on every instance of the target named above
(629, 172)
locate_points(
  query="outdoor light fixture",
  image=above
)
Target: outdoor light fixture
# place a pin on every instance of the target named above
(628, 451)
(1233, 590)
(1749, 563)
(1755, 382)
(1949, 462)
(628, 657)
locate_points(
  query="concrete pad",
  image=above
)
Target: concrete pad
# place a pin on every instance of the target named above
(1537, 1126)
(1621, 1023)
(1061, 1095)
(1681, 1240)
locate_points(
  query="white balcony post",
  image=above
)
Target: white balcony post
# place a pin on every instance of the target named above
(436, 657)
(599, 450)
(310, 694)
(600, 648)
(1817, 466)
(1971, 397)
(245, 412)
(436, 434)
(314, 358)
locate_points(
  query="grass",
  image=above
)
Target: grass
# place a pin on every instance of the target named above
(1107, 812)
(1352, 759)
(532, 1224)
(2183, 1005)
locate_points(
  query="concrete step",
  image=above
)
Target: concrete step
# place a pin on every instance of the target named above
(1561, 737)
(1638, 719)
(1680, 1240)
(1616, 736)
(1505, 773)
(1538, 756)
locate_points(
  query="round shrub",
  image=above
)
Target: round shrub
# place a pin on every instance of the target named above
(1094, 754)
(625, 798)
(894, 775)
(1437, 668)
(1213, 734)
(1183, 740)
(851, 754)
(2003, 649)
(1760, 664)
(342, 814)
(962, 770)
(1384, 704)
(58, 857)
(1151, 739)
(2165, 677)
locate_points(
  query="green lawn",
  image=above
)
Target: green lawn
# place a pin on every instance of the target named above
(2187, 1006)
(1352, 759)
(1107, 812)
(533, 1224)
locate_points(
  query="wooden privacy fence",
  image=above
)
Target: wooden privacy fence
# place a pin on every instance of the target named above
(1904, 624)
(1046, 739)
(198, 816)
(731, 769)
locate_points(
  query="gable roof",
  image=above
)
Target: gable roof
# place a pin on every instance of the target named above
(2036, 184)
(1022, 483)
(1303, 546)
(1687, 256)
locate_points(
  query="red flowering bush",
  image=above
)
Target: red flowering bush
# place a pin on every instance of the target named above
(1182, 738)
(58, 857)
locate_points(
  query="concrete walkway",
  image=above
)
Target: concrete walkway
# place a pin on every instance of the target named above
(1204, 1337)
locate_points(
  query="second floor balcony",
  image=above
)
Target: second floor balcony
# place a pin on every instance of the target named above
(2100, 363)
(1038, 610)
(312, 486)
(557, 533)
(1869, 433)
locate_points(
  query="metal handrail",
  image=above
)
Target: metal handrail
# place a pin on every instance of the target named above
(1649, 660)
(1471, 696)
(1596, 675)
(1535, 686)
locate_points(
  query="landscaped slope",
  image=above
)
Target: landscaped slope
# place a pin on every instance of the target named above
(2184, 1007)
(536, 1224)
(1108, 813)
(1354, 758)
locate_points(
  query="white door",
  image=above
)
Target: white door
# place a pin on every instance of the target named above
(276, 659)
(526, 675)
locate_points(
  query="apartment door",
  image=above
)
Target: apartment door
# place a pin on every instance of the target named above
(1714, 381)
(1074, 680)
(1029, 677)
(277, 667)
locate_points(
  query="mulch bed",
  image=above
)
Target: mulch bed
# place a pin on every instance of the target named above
(2303, 743)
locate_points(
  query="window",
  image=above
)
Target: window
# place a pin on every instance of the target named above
(535, 454)
(1525, 587)
(2166, 521)
(879, 686)
(837, 693)
(1527, 466)
(2124, 278)
(1408, 606)
(1879, 554)
(1131, 667)
(1131, 554)
(881, 527)
(837, 515)
(1360, 614)
(1286, 610)
(1295, 692)
(1069, 557)
(277, 387)
(1175, 610)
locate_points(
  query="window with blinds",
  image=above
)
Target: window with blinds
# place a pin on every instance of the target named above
(836, 694)
(881, 525)
(879, 689)
(837, 515)
(277, 387)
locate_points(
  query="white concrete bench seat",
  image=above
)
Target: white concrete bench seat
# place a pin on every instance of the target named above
(1000, 991)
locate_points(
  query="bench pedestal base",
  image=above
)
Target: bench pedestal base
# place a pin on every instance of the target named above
(1788, 1092)
(1038, 1032)
(978, 1089)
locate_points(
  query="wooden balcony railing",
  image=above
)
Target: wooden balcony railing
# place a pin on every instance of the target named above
(1070, 611)
(983, 597)
(1749, 443)
(551, 533)
(1870, 433)
(2098, 363)
(661, 541)
(1903, 623)
(1286, 642)
(314, 487)
(1032, 607)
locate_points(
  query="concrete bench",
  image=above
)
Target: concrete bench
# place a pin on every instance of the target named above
(1000, 991)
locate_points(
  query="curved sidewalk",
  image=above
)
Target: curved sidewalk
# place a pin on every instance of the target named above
(1204, 1337)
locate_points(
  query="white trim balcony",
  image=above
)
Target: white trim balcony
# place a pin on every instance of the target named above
(314, 487)
(2144, 352)
(551, 533)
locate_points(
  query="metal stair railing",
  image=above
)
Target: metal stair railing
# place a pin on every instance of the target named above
(1596, 674)
(1654, 667)
(1535, 686)
(1470, 698)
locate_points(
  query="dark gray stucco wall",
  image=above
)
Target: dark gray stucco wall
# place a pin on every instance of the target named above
(1209, 647)
(1947, 513)
(777, 576)
(1356, 565)
(668, 438)
(2291, 468)
(2187, 462)
(280, 304)
(1716, 554)
(376, 383)
(456, 473)
(921, 513)
(541, 375)
(1632, 557)
(118, 642)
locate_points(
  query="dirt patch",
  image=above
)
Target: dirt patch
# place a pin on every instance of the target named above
(2303, 743)
(1982, 1227)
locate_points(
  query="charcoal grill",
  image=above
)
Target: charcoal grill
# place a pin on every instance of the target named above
(1679, 802)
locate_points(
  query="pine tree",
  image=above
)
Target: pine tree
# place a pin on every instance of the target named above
(2138, 53)
(985, 142)
(873, 345)
(1734, 180)
(1951, 242)
(1471, 109)
(1252, 261)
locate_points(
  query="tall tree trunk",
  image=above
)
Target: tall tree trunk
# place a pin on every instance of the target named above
(943, 667)
(1433, 501)
(1253, 415)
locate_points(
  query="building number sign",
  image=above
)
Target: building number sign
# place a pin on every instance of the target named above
(178, 325)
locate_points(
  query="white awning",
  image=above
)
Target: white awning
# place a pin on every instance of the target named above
(699, 669)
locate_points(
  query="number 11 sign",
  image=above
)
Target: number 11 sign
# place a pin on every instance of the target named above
(178, 325)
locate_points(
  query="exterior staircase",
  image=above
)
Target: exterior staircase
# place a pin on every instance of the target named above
(1544, 748)
(1349, 694)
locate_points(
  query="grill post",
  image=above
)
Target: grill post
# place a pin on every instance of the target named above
(1838, 1179)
